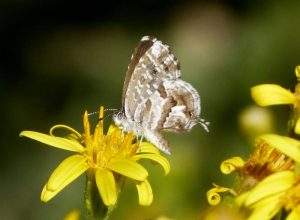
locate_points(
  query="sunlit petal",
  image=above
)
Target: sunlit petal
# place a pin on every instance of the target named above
(294, 215)
(145, 193)
(68, 170)
(157, 158)
(86, 125)
(67, 129)
(286, 145)
(266, 209)
(112, 128)
(147, 147)
(213, 195)
(106, 185)
(240, 200)
(128, 168)
(271, 185)
(58, 142)
(63, 175)
(272, 94)
(230, 165)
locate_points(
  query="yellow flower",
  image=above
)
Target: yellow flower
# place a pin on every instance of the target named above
(269, 180)
(265, 161)
(281, 189)
(264, 199)
(107, 157)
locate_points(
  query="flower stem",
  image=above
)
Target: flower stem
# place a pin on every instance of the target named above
(95, 208)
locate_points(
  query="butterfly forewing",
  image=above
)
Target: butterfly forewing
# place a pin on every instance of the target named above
(140, 50)
(151, 64)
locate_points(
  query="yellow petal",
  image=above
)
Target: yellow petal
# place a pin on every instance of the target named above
(294, 215)
(68, 170)
(286, 145)
(297, 72)
(213, 197)
(106, 185)
(297, 126)
(75, 134)
(128, 168)
(86, 125)
(266, 209)
(271, 185)
(145, 193)
(272, 94)
(62, 143)
(112, 128)
(157, 158)
(147, 147)
(63, 175)
(240, 200)
(230, 165)
(47, 195)
(73, 215)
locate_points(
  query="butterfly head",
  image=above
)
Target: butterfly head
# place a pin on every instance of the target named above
(118, 117)
(195, 119)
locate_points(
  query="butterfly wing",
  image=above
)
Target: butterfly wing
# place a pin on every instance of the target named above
(182, 109)
(151, 64)
(175, 107)
(140, 50)
(154, 96)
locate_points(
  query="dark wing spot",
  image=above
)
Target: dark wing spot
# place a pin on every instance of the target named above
(154, 71)
(162, 91)
(148, 105)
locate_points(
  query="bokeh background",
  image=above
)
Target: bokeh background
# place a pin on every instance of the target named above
(60, 58)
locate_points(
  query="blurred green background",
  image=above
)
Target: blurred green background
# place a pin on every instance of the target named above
(60, 58)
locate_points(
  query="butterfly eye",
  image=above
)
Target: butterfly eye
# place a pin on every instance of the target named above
(120, 115)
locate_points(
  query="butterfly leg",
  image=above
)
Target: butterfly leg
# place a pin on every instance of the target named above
(140, 143)
(158, 139)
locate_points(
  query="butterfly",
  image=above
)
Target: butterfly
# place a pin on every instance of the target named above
(155, 98)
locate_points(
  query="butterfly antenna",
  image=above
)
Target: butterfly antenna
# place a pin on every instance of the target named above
(97, 112)
(204, 124)
(108, 115)
(93, 113)
(110, 109)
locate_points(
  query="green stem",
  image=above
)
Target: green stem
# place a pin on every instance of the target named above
(95, 208)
